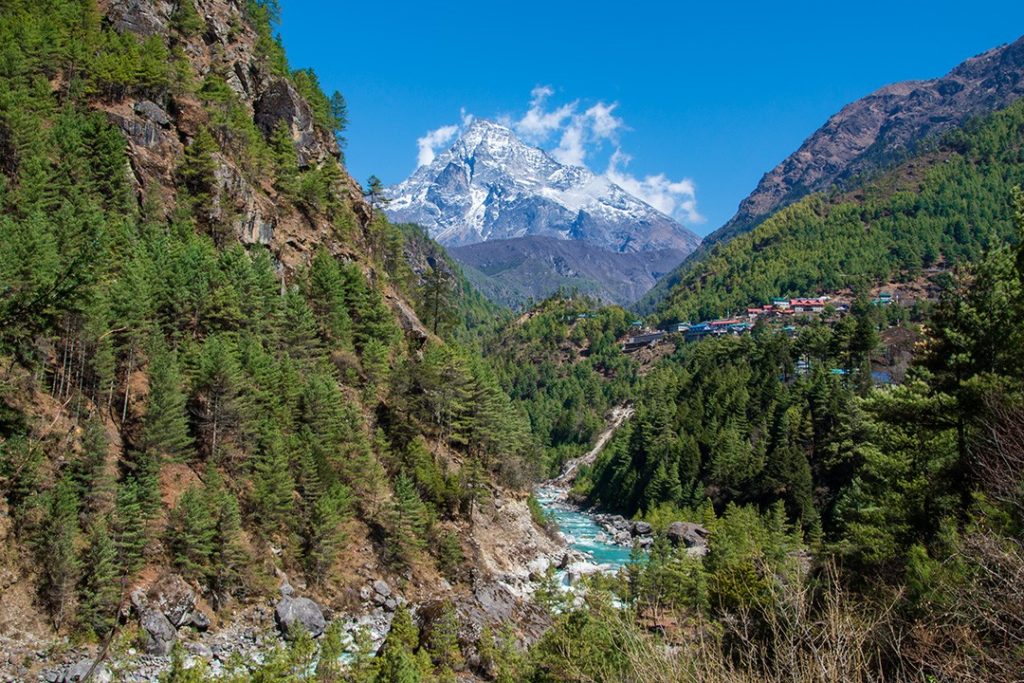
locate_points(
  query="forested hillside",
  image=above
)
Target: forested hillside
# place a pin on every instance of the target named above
(252, 431)
(933, 211)
(219, 362)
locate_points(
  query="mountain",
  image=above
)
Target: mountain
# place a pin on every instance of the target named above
(490, 185)
(511, 272)
(938, 209)
(883, 127)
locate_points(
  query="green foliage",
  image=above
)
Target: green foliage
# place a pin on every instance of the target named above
(165, 427)
(58, 552)
(203, 536)
(100, 586)
(899, 225)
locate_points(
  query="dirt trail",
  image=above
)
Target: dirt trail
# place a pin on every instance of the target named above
(617, 416)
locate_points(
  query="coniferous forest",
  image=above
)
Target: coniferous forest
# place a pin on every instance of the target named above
(250, 430)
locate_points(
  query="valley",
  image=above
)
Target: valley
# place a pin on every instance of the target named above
(505, 420)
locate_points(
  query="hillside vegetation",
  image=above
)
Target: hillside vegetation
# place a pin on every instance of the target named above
(936, 210)
(179, 395)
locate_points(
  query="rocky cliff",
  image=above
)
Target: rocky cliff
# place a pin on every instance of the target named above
(881, 128)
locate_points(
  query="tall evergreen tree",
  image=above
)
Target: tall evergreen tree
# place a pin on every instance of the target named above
(58, 552)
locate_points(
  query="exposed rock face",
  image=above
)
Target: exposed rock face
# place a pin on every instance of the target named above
(280, 102)
(687, 533)
(879, 128)
(299, 612)
(160, 633)
(159, 130)
(144, 17)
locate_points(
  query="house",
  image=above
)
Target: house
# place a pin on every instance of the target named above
(780, 303)
(698, 331)
(883, 299)
(679, 327)
(807, 305)
(637, 324)
(640, 341)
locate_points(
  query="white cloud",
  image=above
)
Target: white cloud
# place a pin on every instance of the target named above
(587, 132)
(603, 123)
(674, 198)
(538, 124)
(570, 150)
(429, 143)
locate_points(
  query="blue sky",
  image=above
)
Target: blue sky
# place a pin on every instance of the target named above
(698, 99)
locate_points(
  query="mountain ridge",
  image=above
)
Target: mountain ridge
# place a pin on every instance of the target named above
(491, 185)
(511, 272)
(869, 133)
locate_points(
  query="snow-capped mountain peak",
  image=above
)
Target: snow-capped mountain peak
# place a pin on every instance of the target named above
(491, 185)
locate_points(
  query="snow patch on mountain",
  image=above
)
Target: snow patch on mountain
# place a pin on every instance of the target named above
(490, 185)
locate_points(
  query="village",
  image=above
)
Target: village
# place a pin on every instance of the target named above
(779, 310)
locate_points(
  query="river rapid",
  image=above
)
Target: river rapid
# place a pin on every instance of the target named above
(582, 531)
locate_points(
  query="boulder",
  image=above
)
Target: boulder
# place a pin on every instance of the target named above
(153, 112)
(645, 542)
(160, 633)
(77, 672)
(687, 534)
(293, 612)
(200, 621)
(641, 529)
(381, 588)
(172, 595)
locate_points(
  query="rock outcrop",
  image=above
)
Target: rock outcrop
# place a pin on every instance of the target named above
(160, 634)
(687, 534)
(880, 128)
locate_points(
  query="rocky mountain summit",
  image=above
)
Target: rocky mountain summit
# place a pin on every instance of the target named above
(490, 185)
(882, 127)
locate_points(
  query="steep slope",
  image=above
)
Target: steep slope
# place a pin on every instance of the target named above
(867, 134)
(512, 272)
(219, 405)
(928, 213)
(490, 185)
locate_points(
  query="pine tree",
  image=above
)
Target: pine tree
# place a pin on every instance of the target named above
(339, 112)
(436, 298)
(286, 160)
(100, 588)
(94, 480)
(443, 641)
(129, 528)
(324, 535)
(165, 426)
(197, 175)
(190, 533)
(186, 19)
(58, 552)
(272, 487)
(408, 522)
(226, 556)
(297, 329)
(326, 288)
(218, 404)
